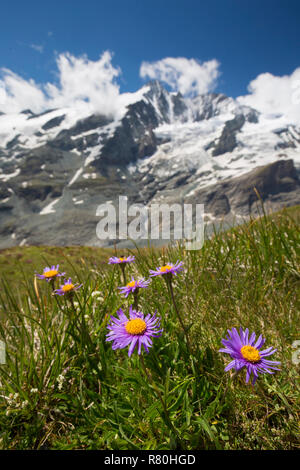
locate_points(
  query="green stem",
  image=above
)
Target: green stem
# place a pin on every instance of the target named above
(52, 283)
(229, 380)
(85, 336)
(169, 282)
(122, 266)
(170, 424)
(72, 302)
(136, 299)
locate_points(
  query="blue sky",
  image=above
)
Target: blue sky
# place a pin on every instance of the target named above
(247, 38)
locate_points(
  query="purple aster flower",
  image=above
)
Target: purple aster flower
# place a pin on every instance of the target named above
(134, 286)
(136, 330)
(67, 288)
(168, 269)
(246, 353)
(50, 273)
(123, 259)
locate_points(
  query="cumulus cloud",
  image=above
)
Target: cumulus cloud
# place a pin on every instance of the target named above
(17, 94)
(80, 83)
(272, 95)
(85, 81)
(93, 86)
(188, 76)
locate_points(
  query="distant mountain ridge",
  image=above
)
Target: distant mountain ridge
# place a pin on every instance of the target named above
(56, 167)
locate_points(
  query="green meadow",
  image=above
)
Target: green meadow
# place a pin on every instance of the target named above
(64, 387)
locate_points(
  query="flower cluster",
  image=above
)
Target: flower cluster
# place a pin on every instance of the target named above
(134, 285)
(50, 274)
(136, 330)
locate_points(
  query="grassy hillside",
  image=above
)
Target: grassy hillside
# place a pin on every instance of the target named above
(64, 387)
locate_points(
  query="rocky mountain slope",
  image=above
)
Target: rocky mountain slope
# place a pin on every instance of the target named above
(58, 166)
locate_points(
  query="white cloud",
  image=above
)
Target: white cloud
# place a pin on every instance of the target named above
(272, 95)
(92, 86)
(37, 47)
(2, 94)
(81, 83)
(85, 81)
(18, 94)
(188, 76)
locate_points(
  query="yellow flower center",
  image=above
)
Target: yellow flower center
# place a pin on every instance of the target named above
(67, 287)
(51, 273)
(122, 259)
(136, 326)
(165, 268)
(131, 284)
(250, 353)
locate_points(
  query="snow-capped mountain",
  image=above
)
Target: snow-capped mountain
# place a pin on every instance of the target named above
(58, 166)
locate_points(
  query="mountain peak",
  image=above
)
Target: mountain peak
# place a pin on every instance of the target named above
(155, 85)
(56, 167)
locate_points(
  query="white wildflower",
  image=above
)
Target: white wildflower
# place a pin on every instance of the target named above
(60, 379)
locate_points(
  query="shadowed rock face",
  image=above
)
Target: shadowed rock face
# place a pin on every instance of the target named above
(278, 177)
(51, 185)
(227, 140)
(277, 183)
(53, 122)
(133, 139)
